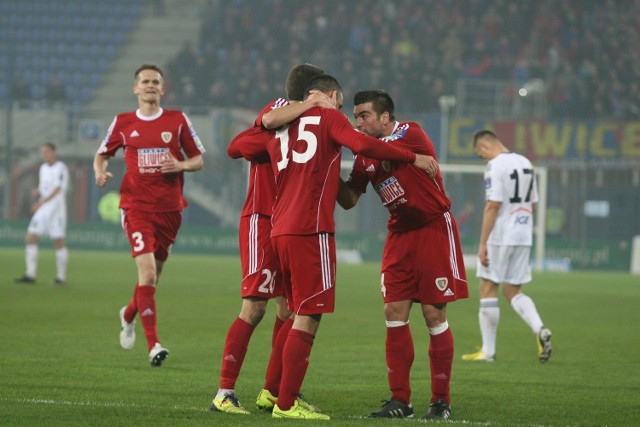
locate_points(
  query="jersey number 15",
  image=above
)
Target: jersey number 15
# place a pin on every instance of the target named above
(303, 134)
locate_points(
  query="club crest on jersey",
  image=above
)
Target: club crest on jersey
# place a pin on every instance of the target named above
(166, 137)
(442, 283)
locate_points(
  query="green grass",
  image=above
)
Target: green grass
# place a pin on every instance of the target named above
(61, 363)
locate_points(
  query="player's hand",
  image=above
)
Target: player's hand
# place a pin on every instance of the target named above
(320, 99)
(483, 255)
(102, 178)
(427, 163)
(171, 165)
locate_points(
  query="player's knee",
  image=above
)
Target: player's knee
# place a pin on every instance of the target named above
(253, 310)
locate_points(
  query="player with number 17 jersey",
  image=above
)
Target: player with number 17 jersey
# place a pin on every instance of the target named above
(509, 179)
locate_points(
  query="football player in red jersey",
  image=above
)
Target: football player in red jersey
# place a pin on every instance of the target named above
(159, 146)
(261, 278)
(422, 259)
(305, 157)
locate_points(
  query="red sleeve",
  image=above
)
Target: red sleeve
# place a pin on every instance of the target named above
(342, 131)
(280, 102)
(358, 178)
(190, 141)
(112, 141)
(250, 144)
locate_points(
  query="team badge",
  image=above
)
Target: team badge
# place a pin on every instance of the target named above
(442, 283)
(166, 137)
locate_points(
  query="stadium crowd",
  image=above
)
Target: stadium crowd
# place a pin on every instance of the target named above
(586, 51)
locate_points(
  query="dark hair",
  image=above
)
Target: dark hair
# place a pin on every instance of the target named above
(50, 145)
(298, 78)
(143, 67)
(324, 83)
(380, 100)
(483, 133)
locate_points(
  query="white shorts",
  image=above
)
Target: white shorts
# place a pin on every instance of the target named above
(49, 220)
(507, 264)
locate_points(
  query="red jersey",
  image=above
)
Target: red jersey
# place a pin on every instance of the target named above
(146, 141)
(306, 157)
(411, 196)
(261, 191)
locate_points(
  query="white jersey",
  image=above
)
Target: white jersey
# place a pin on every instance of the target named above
(52, 177)
(51, 218)
(509, 179)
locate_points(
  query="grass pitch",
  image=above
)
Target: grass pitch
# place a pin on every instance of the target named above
(61, 363)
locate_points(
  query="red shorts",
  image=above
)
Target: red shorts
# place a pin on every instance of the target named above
(424, 265)
(261, 276)
(151, 232)
(308, 265)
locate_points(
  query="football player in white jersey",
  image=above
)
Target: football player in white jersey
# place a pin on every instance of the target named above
(505, 243)
(49, 216)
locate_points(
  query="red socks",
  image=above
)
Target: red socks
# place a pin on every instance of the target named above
(295, 360)
(276, 328)
(400, 354)
(274, 369)
(235, 349)
(441, 360)
(146, 302)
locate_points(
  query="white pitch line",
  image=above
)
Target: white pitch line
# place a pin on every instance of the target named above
(97, 404)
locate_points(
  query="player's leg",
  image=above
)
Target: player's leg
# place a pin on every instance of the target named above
(399, 353)
(398, 288)
(519, 273)
(489, 310)
(62, 258)
(282, 314)
(295, 361)
(145, 296)
(57, 231)
(31, 257)
(442, 279)
(37, 227)
(440, 359)
(234, 352)
(489, 317)
(311, 261)
(268, 396)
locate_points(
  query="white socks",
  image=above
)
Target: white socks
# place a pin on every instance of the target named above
(525, 307)
(31, 259)
(489, 317)
(62, 255)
